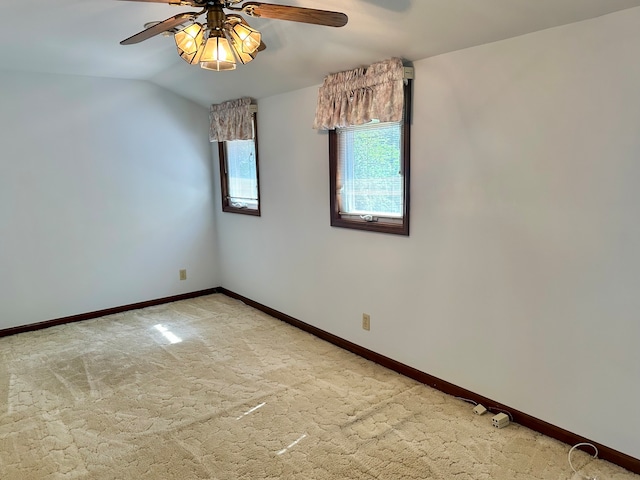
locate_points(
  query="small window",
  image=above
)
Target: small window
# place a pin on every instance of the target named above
(369, 166)
(239, 175)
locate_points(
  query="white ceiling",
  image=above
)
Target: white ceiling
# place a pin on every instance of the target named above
(81, 37)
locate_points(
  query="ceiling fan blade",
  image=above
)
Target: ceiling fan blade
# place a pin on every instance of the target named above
(295, 14)
(164, 26)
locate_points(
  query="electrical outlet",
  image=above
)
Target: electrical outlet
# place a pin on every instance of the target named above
(366, 321)
(183, 274)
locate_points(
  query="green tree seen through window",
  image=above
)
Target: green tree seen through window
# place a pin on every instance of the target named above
(371, 170)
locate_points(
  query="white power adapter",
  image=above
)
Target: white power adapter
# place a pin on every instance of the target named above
(500, 420)
(479, 409)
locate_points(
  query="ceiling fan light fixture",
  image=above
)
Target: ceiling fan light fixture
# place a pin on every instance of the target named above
(217, 53)
(226, 39)
(189, 39)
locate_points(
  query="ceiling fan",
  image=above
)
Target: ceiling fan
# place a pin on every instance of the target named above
(226, 38)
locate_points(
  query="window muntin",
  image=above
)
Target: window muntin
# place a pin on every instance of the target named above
(239, 175)
(369, 168)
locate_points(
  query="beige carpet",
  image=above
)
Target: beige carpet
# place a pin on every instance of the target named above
(212, 389)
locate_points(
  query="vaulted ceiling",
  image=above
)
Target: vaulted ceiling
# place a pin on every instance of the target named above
(81, 37)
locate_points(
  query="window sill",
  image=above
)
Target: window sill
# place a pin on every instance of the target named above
(242, 211)
(379, 226)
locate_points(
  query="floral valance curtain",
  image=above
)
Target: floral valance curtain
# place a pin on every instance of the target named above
(356, 97)
(231, 120)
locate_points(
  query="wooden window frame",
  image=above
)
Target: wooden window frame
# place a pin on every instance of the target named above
(339, 220)
(224, 179)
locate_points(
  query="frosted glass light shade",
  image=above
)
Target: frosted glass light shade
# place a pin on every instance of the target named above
(217, 54)
(189, 39)
(248, 38)
(243, 57)
(193, 58)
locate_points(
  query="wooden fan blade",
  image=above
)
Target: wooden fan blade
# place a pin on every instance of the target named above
(295, 14)
(168, 24)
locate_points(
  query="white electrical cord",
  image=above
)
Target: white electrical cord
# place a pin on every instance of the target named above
(584, 444)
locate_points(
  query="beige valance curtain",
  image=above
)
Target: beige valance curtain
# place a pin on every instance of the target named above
(231, 120)
(356, 97)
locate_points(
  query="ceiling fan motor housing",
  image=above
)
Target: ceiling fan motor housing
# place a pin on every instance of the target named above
(215, 17)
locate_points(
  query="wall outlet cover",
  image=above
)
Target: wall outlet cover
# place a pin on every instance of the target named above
(366, 321)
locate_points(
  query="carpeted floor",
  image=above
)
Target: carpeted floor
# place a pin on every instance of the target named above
(212, 389)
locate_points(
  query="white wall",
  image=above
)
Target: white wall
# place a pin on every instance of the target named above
(105, 194)
(519, 280)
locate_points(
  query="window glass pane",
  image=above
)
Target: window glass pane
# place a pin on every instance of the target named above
(370, 159)
(242, 173)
